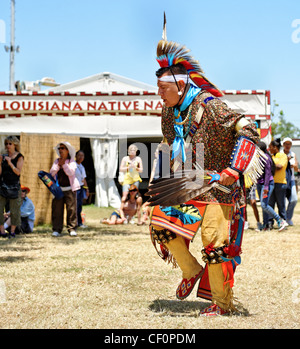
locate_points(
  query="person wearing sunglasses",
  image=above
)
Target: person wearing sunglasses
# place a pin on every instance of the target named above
(63, 170)
(11, 164)
(130, 206)
(27, 214)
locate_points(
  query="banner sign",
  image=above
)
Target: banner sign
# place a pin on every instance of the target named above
(80, 105)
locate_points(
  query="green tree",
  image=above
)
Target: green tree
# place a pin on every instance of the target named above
(282, 128)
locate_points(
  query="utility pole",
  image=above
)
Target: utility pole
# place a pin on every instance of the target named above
(12, 49)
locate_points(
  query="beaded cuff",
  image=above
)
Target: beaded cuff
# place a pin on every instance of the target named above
(247, 158)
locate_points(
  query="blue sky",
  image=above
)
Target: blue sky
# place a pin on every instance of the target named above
(239, 44)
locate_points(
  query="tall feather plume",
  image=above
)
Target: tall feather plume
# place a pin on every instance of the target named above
(164, 35)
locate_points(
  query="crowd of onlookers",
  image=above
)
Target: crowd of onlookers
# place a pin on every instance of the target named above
(17, 211)
(276, 187)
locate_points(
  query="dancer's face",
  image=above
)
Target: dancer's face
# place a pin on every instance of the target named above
(168, 91)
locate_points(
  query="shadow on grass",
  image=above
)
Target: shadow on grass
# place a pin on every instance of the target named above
(176, 307)
(18, 243)
(91, 232)
(114, 230)
(187, 308)
(13, 259)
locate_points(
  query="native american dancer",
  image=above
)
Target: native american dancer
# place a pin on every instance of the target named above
(209, 196)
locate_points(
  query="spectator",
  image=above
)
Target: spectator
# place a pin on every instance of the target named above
(83, 192)
(265, 187)
(27, 214)
(146, 211)
(252, 199)
(297, 178)
(11, 165)
(130, 206)
(291, 192)
(63, 169)
(279, 193)
(132, 166)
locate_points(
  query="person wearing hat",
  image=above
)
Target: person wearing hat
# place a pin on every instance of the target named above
(27, 214)
(27, 211)
(192, 115)
(291, 193)
(63, 170)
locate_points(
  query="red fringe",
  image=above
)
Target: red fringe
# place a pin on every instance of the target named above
(164, 252)
(228, 270)
(232, 250)
(209, 248)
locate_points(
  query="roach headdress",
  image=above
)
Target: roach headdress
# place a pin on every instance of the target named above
(170, 53)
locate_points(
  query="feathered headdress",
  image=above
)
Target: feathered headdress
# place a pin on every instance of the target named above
(170, 53)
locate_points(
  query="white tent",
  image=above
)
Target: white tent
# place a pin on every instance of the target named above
(105, 82)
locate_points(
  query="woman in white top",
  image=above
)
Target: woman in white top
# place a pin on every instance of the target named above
(83, 192)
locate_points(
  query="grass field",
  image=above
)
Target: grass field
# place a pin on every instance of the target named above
(110, 277)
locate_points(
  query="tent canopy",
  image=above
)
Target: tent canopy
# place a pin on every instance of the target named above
(102, 126)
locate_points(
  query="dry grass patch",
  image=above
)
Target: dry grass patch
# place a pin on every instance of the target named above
(110, 277)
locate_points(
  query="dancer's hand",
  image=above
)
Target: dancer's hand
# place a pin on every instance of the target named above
(227, 179)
